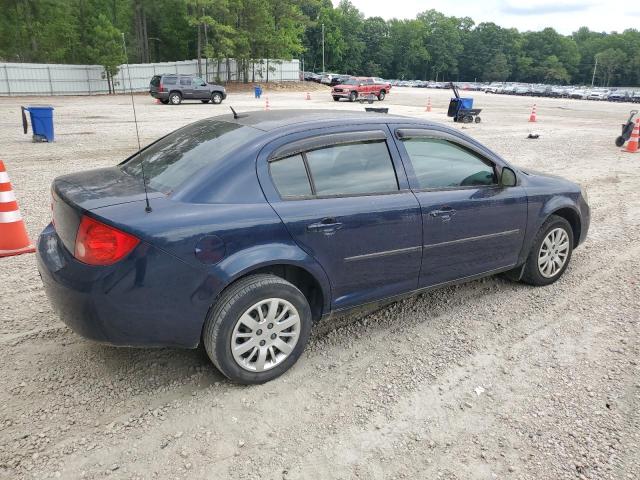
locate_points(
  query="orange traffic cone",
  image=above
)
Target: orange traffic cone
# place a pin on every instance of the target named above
(632, 146)
(428, 109)
(308, 96)
(266, 103)
(532, 117)
(13, 235)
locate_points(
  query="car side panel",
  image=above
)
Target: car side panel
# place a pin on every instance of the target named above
(252, 235)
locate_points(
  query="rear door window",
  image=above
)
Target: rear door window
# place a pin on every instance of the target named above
(169, 80)
(355, 168)
(290, 177)
(185, 81)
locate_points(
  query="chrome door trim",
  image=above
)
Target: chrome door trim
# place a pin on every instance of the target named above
(471, 239)
(385, 253)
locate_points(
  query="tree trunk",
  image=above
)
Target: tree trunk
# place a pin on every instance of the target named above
(199, 50)
(145, 36)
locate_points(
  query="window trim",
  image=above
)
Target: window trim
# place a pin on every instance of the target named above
(326, 140)
(412, 133)
(350, 138)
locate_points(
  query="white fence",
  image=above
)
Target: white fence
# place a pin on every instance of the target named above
(59, 79)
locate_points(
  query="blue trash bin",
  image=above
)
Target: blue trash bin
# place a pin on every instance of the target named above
(257, 90)
(41, 122)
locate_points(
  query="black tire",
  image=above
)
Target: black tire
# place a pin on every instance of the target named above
(467, 119)
(620, 141)
(175, 98)
(477, 120)
(204, 101)
(164, 102)
(532, 274)
(381, 95)
(231, 305)
(336, 99)
(353, 96)
(216, 98)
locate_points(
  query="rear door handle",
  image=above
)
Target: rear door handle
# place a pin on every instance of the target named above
(445, 213)
(327, 225)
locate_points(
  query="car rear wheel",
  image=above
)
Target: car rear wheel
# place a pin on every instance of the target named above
(336, 99)
(257, 329)
(216, 98)
(550, 253)
(381, 95)
(175, 98)
(353, 96)
(204, 101)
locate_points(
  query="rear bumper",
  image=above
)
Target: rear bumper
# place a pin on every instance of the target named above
(160, 95)
(148, 299)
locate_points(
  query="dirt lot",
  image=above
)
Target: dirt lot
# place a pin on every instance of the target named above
(486, 380)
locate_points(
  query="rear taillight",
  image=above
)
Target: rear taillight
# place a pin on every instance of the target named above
(100, 244)
(161, 88)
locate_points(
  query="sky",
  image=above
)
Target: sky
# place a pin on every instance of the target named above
(566, 16)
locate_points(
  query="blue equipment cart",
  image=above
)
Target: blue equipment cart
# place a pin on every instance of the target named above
(41, 122)
(461, 108)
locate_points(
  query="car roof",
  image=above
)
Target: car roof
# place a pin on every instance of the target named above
(282, 119)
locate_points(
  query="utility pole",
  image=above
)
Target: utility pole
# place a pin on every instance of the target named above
(594, 72)
(323, 48)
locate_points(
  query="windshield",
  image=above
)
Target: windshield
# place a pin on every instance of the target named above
(349, 81)
(183, 153)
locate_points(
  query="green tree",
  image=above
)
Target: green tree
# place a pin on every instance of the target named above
(611, 61)
(106, 48)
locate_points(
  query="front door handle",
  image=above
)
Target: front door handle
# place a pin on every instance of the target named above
(326, 225)
(445, 213)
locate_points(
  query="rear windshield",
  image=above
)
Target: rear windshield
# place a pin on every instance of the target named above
(155, 81)
(183, 153)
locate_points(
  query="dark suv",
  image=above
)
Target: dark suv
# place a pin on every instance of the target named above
(174, 88)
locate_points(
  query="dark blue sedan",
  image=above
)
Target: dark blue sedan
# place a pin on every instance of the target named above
(261, 224)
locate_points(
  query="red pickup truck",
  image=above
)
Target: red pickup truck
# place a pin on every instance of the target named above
(360, 87)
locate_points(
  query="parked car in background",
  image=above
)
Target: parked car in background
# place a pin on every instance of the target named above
(355, 87)
(263, 224)
(619, 96)
(174, 88)
(635, 98)
(598, 95)
(311, 77)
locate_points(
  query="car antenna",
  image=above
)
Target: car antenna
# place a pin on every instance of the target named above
(236, 116)
(147, 207)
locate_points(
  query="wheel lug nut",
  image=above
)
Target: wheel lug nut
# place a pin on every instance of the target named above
(262, 343)
(273, 336)
(270, 325)
(259, 332)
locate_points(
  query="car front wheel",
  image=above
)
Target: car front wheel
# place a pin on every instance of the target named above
(551, 252)
(353, 96)
(175, 98)
(216, 98)
(381, 95)
(257, 329)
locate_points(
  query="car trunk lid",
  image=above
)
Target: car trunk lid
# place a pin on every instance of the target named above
(72, 195)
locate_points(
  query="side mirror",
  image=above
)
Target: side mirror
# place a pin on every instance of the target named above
(203, 84)
(508, 178)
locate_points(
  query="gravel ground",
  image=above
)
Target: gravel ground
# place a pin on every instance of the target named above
(490, 379)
